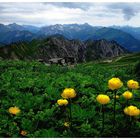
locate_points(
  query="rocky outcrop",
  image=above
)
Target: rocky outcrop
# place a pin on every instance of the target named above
(60, 47)
(100, 49)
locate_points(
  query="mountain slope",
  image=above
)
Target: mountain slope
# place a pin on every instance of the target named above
(71, 31)
(14, 33)
(86, 31)
(58, 46)
(30, 28)
(15, 36)
(134, 31)
(103, 49)
(51, 47)
(124, 39)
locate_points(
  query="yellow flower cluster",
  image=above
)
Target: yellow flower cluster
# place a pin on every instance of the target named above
(14, 110)
(132, 111)
(115, 83)
(62, 102)
(68, 93)
(127, 95)
(133, 84)
(103, 99)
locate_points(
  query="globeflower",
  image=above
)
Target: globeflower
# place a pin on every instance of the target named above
(67, 124)
(133, 84)
(115, 83)
(132, 111)
(62, 102)
(127, 95)
(68, 93)
(23, 133)
(103, 99)
(14, 110)
(117, 96)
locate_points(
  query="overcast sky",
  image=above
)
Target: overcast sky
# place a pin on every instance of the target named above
(96, 14)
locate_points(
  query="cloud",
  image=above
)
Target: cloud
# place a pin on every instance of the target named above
(96, 14)
(129, 13)
(129, 10)
(71, 5)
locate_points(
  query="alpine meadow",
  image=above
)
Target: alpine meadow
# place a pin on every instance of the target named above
(69, 70)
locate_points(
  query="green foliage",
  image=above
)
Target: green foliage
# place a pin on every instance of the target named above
(50, 133)
(35, 89)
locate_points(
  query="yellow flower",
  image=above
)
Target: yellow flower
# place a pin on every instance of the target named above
(67, 124)
(127, 95)
(133, 84)
(14, 110)
(117, 96)
(115, 83)
(62, 102)
(23, 133)
(132, 111)
(126, 111)
(103, 99)
(68, 93)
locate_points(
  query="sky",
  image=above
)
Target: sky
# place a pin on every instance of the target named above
(50, 13)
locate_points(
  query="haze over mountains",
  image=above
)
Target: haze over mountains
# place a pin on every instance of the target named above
(127, 37)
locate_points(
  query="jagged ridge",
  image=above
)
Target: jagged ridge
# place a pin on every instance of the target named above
(58, 46)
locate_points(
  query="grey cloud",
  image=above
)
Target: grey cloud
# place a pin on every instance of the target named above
(1, 8)
(129, 13)
(80, 5)
(20, 21)
(6, 8)
(77, 12)
(129, 10)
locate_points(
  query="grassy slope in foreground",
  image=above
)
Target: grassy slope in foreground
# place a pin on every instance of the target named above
(128, 59)
(35, 88)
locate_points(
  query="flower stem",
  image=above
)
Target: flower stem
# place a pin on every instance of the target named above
(70, 115)
(103, 118)
(114, 115)
(127, 103)
(130, 118)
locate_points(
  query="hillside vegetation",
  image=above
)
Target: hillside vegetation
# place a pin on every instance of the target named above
(34, 89)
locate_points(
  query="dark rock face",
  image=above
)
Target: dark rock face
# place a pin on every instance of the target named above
(103, 49)
(60, 47)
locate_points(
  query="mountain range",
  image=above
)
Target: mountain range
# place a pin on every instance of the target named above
(57, 46)
(127, 37)
(134, 31)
